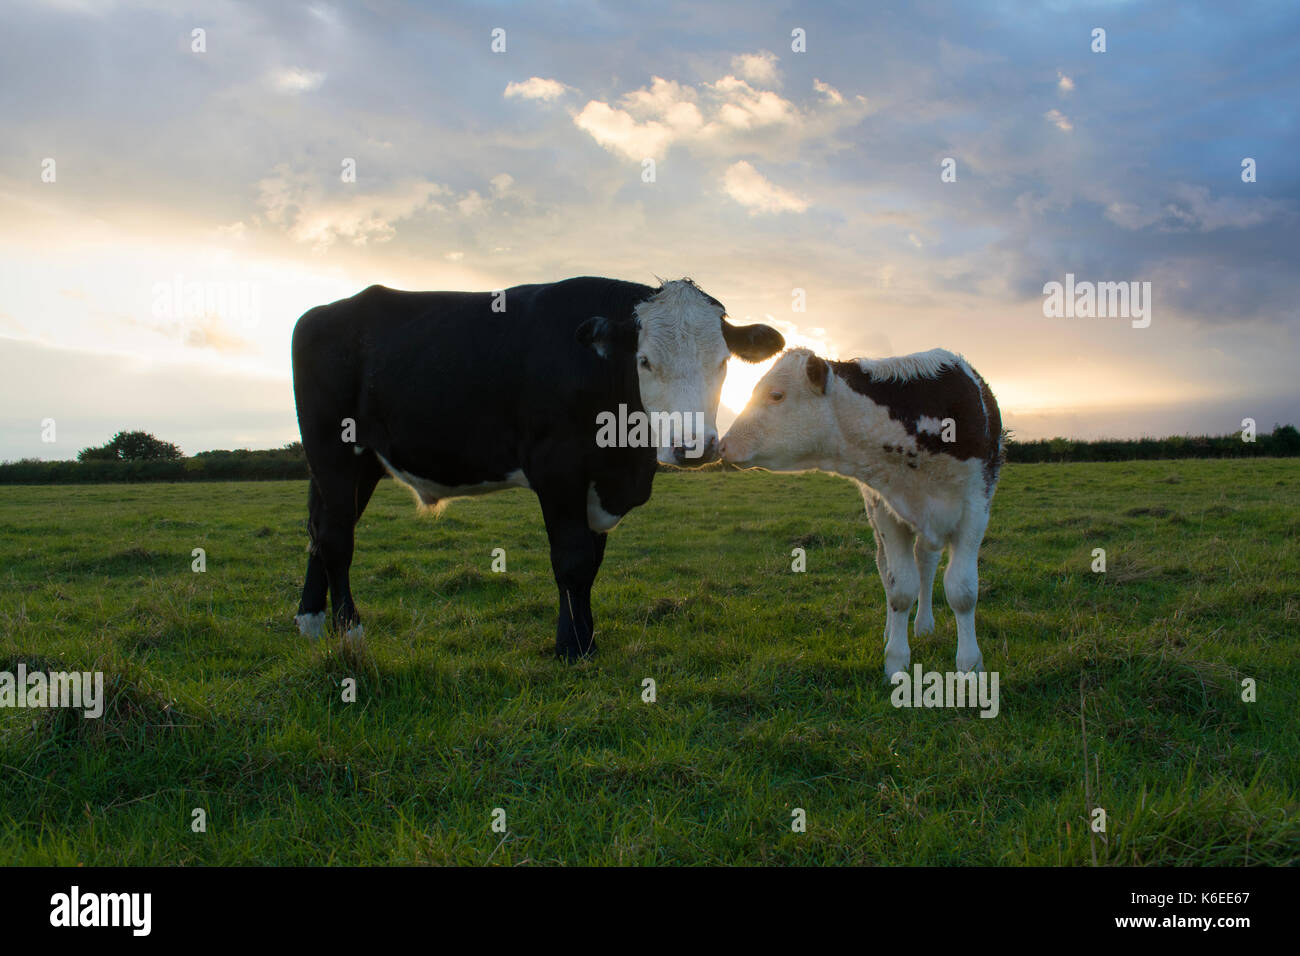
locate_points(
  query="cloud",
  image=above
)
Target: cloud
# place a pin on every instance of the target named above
(618, 132)
(472, 204)
(1189, 208)
(209, 330)
(536, 88)
(828, 91)
(752, 189)
(743, 107)
(721, 116)
(1064, 83)
(1059, 120)
(758, 67)
(298, 203)
(294, 80)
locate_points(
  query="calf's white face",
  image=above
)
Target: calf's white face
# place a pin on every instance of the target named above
(683, 344)
(788, 425)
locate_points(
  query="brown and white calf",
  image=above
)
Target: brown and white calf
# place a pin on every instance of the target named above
(921, 436)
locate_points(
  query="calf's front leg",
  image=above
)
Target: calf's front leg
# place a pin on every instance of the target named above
(901, 578)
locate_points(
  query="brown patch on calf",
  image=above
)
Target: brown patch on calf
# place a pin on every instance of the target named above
(817, 372)
(950, 393)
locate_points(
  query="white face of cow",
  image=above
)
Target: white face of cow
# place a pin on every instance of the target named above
(681, 361)
(679, 339)
(788, 424)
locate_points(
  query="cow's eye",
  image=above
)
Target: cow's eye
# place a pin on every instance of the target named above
(645, 362)
(776, 396)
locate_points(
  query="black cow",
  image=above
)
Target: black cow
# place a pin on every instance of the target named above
(462, 393)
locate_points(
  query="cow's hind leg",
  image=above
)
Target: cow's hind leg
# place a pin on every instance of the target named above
(315, 590)
(576, 554)
(341, 495)
(961, 586)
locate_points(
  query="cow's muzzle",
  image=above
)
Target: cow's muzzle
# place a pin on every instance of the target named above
(691, 457)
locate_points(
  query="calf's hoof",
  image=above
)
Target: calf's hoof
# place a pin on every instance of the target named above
(970, 664)
(923, 625)
(896, 664)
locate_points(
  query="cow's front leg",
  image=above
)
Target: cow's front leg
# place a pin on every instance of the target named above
(576, 553)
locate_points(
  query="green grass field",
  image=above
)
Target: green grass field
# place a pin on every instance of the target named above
(769, 683)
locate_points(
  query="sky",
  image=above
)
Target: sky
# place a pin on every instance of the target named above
(873, 179)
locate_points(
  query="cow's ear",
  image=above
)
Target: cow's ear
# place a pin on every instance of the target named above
(817, 370)
(607, 336)
(753, 343)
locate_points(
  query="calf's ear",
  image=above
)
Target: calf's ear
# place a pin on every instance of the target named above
(607, 336)
(817, 370)
(753, 343)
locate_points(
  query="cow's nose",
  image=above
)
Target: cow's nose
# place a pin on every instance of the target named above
(683, 455)
(722, 448)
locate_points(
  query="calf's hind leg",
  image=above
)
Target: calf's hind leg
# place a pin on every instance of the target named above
(961, 587)
(882, 567)
(927, 563)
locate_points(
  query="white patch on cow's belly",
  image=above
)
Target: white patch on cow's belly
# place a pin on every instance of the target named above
(598, 519)
(431, 492)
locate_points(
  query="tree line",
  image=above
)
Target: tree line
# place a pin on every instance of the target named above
(139, 456)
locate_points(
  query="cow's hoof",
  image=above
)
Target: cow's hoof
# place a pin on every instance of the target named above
(354, 640)
(970, 665)
(923, 624)
(571, 654)
(311, 625)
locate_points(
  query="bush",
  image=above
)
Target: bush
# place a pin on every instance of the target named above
(132, 446)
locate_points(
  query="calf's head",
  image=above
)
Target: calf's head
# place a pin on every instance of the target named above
(682, 343)
(788, 424)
